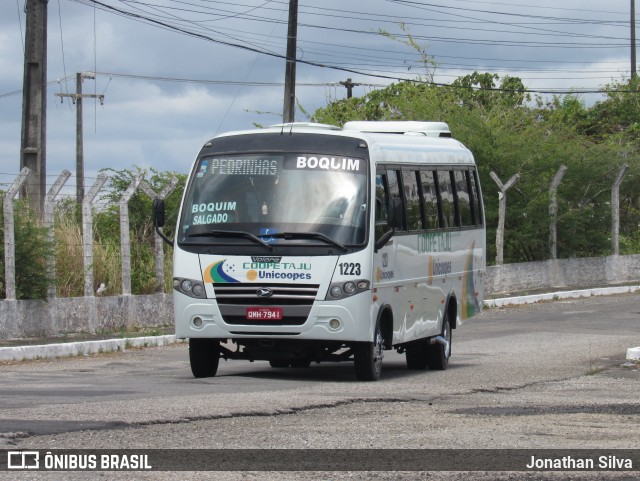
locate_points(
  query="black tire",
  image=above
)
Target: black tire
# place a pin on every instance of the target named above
(438, 354)
(367, 358)
(416, 354)
(300, 363)
(279, 363)
(204, 356)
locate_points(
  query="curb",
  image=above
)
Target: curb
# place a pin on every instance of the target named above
(70, 349)
(633, 354)
(553, 296)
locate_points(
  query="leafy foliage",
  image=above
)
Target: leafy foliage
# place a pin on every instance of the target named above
(509, 133)
(141, 233)
(31, 251)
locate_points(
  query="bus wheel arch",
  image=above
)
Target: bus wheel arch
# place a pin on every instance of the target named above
(385, 321)
(368, 355)
(439, 350)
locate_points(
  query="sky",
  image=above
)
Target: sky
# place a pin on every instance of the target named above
(174, 73)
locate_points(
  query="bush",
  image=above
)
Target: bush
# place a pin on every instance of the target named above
(31, 251)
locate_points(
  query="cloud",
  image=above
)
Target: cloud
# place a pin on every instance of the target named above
(153, 122)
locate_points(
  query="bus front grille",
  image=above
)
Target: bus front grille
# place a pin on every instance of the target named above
(294, 299)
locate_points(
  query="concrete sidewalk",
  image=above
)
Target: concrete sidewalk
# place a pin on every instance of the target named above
(84, 348)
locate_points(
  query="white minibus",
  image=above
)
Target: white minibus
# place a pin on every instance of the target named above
(307, 243)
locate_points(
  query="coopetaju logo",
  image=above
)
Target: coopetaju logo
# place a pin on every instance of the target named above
(23, 460)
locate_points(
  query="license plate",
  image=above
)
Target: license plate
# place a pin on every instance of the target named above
(264, 313)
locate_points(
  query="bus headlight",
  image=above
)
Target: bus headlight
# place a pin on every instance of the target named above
(189, 287)
(349, 288)
(198, 290)
(336, 291)
(340, 290)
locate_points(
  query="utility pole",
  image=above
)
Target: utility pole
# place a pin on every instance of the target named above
(633, 38)
(288, 114)
(34, 105)
(77, 99)
(349, 85)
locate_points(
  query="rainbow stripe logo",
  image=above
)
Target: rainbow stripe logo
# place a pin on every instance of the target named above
(215, 274)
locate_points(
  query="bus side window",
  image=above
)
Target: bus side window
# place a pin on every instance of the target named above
(395, 200)
(446, 199)
(382, 202)
(430, 199)
(412, 200)
(462, 197)
(475, 197)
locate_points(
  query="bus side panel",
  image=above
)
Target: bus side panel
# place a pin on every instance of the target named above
(401, 280)
(416, 273)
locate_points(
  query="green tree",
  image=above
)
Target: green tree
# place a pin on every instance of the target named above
(142, 232)
(509, 133)
(31, 251)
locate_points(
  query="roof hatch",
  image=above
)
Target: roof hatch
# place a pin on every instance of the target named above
(429, 129)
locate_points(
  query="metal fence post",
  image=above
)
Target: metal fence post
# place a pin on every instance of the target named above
(49, 223)
(87, 234)
(159, 244)
(553, 211)
(125, 240)
(502, 208)
(615, 210)
(9, 234)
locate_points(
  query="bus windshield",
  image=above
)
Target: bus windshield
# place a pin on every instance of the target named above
(277, 199)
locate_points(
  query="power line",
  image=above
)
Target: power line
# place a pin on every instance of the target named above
(415, 3)
(342, 14)
(20, 25)
(335, 84)
(158, 78)
(64, 66)
(184, 31)
(317, 63)
(537, 31)
(475, 2)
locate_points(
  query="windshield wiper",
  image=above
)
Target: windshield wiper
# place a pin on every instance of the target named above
(306, 235)
(205, 232)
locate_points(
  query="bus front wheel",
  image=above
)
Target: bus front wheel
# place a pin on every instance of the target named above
(204, 356)
(367, 358)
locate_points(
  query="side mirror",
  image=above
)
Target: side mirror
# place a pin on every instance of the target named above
(158, 213)
(384, 238)
(158, 220)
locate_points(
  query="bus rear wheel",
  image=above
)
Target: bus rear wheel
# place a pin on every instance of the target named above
(416, 354)
(278, 363)
(204, 356)
(368, 356)
(438, 354)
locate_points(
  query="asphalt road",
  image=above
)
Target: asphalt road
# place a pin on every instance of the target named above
(543, 376)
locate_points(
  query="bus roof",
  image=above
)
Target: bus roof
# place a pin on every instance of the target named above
(389, 142)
